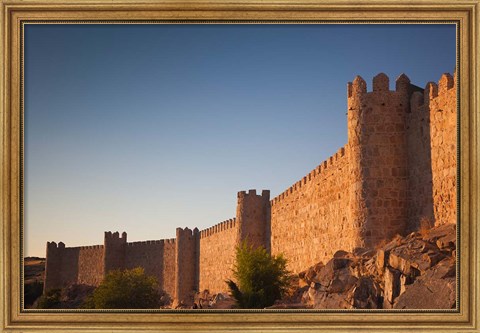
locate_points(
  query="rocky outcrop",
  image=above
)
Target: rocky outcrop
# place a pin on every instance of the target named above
(412, 272)
(206, 300)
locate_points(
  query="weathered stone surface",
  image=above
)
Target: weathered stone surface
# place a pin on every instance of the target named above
(310, 275)
(326, 274)
(205, 300)
(428, 294)
(366, 282)
(343, 280)
(399, 263)
(381, 261)
(446, 230)
(324, 300)
(339, 263)
(416, 254)
(367, 294)
(443, 270)
(341, 254)
(392, 284)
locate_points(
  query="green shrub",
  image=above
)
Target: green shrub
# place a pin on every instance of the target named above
(88, 303)
(50, 300)
(128, 289)
(261, 278)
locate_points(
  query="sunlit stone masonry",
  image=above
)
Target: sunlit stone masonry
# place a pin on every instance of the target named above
(398, 167)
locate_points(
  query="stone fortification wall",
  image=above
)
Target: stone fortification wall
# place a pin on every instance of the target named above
(398, 166)
(310, 219)
(217, 254)
(443, 136)
(69, 265)
(149, 255)
(90, 265)
(73, 265)
(169, 266)
(87, 264)
(432, 159)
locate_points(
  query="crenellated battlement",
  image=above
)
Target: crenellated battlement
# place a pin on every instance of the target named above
(51, 245)
(432, 91)
(61, 246)
(320, 171)
(186, 233)
(87, 247)
(358, 89)
(219, 227)
(244, 194)
(148, 242)
(115, 236)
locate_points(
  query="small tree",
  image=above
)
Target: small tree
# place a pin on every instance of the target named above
(261, 278)
(128, 289)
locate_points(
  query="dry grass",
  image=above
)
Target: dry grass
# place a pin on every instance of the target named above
(425, 226)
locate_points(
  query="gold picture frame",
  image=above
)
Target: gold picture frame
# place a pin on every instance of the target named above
(15, 13)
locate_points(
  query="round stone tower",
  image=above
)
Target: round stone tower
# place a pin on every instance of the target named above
(378, 157)
(253, 218)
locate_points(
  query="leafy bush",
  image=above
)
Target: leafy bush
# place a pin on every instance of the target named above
(262, 279)
(127, 289)
(50, 300)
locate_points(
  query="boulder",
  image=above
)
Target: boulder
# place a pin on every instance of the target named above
(341, 254)
(417, 254)
(443, 270)
(363, 252)
(447, 243)
(310, 275)
(428, 293)
(339, 263)
(222, 301)
(318, 267)
(367, 294)
(325, 300)
(392, 284)
(326, 274)
(342, 281)
(446, 230)
(381, 261)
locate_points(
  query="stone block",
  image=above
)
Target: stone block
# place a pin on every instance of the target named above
(392, 284)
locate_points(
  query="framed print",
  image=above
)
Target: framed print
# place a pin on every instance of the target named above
(253, 166)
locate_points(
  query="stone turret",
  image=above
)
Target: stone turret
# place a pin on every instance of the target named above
(378, 157)
(253, 218)
(186, 264)
(53, 266)
(114, 251)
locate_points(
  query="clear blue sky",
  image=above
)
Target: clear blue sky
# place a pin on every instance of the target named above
(145, 128)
